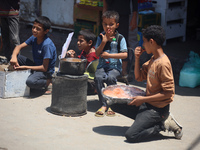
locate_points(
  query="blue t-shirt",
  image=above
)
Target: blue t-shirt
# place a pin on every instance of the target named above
(45, 50)
(107, 48)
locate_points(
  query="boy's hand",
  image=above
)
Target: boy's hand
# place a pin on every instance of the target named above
(138, 51)
(137, 101)
(71, 53)
(14, 62)
(105, 55)
(107, 37)
(20, 68)
(104, 38)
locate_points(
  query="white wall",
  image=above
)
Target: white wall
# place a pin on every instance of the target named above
(60, 12)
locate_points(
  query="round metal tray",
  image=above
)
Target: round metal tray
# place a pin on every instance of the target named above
(130, 91)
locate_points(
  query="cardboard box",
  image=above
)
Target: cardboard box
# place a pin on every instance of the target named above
(88, 13)
(146, 20)
(13, 83)
(81, 24)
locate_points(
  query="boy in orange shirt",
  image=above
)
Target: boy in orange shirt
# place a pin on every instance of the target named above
(153, 115)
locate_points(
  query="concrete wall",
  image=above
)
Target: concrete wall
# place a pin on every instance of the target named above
(28, 10)
(60, 12)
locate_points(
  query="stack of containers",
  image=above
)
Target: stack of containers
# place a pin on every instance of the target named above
(144, 4)
(146, 17)
(87, 15)
(173, 17)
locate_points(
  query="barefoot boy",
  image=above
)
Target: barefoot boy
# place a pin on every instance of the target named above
(44, 55)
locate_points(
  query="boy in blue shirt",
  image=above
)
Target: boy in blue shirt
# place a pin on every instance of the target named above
(44, 56)
(106, 72)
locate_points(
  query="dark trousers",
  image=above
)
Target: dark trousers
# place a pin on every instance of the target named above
(124, 26)
(37, 79)
(124, 30)
(148, 120)
(10, 35)
(105, 76)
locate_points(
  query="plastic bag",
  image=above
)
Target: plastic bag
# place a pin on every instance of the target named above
(190, 73)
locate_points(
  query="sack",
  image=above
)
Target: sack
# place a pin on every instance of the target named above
(190, 73)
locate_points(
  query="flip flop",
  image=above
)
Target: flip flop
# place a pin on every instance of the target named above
(100, 112)
(110, 112)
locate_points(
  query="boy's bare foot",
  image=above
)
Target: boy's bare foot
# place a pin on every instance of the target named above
(48, 87)
(48, 82)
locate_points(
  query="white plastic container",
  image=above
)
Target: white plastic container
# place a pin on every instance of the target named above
(13, 84)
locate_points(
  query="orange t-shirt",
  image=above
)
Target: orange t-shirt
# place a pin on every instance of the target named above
(159, 76)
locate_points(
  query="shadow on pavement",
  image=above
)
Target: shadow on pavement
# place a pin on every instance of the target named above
(34, 93)
(111, 130)
(120, 131)
(93, 105)
(194, 144)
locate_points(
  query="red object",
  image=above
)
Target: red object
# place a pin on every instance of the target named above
(90, 57)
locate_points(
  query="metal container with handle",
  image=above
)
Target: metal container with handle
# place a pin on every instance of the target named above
(72, 66)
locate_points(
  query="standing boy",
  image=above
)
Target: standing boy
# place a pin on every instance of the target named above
(44, 55)
(107, 73)
(153, 115)
(9, 18)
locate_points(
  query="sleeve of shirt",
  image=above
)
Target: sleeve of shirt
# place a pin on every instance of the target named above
(123, 46)
(92, 56)
(98, 42)
(47, 52)
(30, 40)
(166, 77)
(144, 71)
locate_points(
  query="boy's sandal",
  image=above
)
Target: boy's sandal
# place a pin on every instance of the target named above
(100, 112)
(110, 112)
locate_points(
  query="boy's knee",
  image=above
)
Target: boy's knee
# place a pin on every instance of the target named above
(112, 79)
(29, 83)
(129, 136)
(97, 79)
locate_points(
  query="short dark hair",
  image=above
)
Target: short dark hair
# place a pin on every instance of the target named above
(156, 33)
(46, 23)
(111, 14)
(88, 35)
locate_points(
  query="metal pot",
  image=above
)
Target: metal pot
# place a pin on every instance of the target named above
(72, 66)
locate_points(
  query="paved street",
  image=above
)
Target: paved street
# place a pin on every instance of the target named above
(26, 123)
